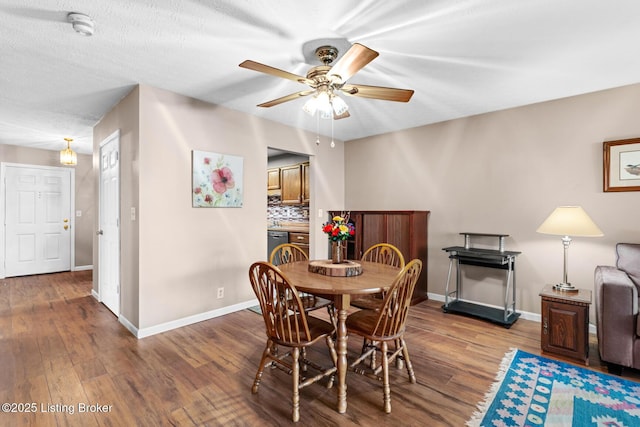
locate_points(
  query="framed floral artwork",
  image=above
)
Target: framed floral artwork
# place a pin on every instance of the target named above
(217, 180)
(621, 167)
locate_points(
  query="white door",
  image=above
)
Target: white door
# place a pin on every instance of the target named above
(38, 220)
(109, 224)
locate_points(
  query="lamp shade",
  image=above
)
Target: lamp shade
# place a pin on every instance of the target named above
(311, 106)
(570, 221)
(339, 106)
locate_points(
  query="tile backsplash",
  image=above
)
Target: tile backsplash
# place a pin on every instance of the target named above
(290, 213)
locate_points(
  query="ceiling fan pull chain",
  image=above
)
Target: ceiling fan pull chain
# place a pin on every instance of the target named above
(317, 129)
(333, 144)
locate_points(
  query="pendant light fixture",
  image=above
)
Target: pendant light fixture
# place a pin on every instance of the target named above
(68, 156)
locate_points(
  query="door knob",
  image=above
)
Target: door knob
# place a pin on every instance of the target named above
(66, 226)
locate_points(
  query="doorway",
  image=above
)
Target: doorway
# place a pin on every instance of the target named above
(109, 223)
(39, 226)
(288, 199)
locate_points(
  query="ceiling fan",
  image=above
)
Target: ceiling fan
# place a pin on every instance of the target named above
(326, 81)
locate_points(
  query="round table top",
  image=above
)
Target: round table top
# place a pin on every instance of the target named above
(375, 278)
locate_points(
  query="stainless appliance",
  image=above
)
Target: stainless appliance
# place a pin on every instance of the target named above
(275, 238)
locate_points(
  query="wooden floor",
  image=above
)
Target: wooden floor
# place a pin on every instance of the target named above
(65, 356)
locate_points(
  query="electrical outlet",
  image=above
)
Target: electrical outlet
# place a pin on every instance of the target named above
(220, 293)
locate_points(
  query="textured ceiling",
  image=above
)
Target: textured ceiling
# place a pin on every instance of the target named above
(461, 58)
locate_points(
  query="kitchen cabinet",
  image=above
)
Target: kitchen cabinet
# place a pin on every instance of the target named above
(305, 184)
(294, 184)
(291, 184)
(273, 179)
(300, 239)
(406, 230)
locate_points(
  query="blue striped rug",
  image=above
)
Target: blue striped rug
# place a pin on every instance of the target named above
(535, 391)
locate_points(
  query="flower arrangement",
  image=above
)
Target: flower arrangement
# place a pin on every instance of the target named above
(339, 229)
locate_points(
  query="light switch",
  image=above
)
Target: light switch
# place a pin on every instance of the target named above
(320, 213)
(133, 214)
(78, 214)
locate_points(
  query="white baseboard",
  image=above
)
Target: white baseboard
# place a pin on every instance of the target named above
(77, 268)
(125, 322)
(189, 320)
(535, 317)
(95, 295)
(174, 324)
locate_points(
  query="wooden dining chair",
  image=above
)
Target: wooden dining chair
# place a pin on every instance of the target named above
(288, 252)
(287, 325)
(382, 253)
(384, 326)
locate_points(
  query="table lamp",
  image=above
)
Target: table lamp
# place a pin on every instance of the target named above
(569, 221)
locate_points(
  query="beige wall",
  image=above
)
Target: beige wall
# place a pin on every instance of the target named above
(504, 172)
(180, 255)
(84, 196)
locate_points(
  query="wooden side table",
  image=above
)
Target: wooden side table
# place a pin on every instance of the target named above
(565, 323)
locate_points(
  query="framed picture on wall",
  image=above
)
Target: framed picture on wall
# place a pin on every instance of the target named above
(217, 180)
(621, 165)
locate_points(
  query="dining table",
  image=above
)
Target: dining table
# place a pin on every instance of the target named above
(374, 278)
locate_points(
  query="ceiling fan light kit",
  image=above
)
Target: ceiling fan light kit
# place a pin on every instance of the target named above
(326, 80)
(81, 23)
(328, 106)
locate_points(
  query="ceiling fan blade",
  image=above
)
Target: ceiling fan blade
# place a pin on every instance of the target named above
(341, 116)
(286, 98)
(256, 66)
(352, 61)
(378, 92)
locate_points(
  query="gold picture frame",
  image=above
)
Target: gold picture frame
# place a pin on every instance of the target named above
(621, 165)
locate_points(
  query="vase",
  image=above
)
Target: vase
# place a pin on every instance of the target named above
(337, 253)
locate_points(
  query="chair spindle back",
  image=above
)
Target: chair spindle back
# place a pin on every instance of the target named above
(286, 253)
(395, 307)
(384, 253)
(282, 309)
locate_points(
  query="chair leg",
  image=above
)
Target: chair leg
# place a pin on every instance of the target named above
(334, 358)
(295, 354)
(385, 378)
(263, 362)
(303, 353)
(407, 361)
(399, 358)
(373, 363)
(332, 315)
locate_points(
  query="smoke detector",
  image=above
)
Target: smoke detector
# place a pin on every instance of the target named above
(81, 23)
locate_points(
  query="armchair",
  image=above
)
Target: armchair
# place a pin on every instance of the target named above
(618, 324)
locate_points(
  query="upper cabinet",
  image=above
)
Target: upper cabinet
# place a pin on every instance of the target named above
(273, 179)
(294, 184)
(291, 184)
(305, 183)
